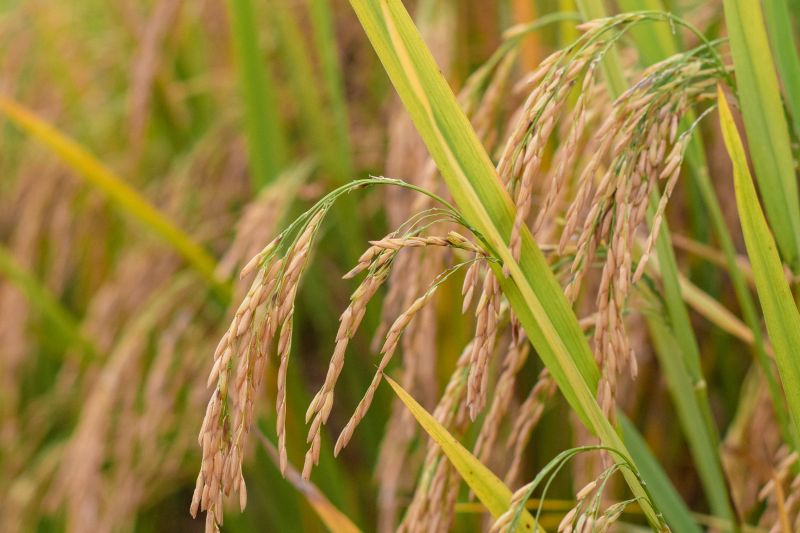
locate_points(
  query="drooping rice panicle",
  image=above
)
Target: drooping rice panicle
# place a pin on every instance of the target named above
(387, 351)
(515, 357)
(487, 316)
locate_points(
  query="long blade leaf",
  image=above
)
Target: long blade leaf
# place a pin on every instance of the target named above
(115, 188)
(780, 311)
(765, 123)
(779, 26)
(471, 177)
(487, 487)
(265, 139)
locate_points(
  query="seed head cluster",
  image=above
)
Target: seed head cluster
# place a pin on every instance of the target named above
(617, 159)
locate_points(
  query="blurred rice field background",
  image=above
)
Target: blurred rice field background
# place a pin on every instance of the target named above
(152, 149)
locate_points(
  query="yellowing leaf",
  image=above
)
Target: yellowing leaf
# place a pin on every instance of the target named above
(486, 486)
(765, 122)
(780, 312)
(114, 187)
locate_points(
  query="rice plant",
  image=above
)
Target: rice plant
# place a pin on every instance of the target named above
(505, 266)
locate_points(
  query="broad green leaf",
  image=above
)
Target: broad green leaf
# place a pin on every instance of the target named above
(115, 188)
(679, 357)
(683, 391)
(765, 123)
(531, 288)
(780, 311)
(487, 487)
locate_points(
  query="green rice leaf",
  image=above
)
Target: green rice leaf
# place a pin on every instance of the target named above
(684, 393)
(679, 357)
(784, 46)
(266, 142)
(531, 288)
(678, 516)
(765, 123)
(780, 311)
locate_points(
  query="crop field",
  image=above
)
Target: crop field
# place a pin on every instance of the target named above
(383, 265)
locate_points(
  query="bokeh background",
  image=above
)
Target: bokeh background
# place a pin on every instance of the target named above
(231, 118)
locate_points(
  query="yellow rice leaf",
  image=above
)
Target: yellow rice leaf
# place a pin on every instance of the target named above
(780, 311)
(489, 489)
(125, 197)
